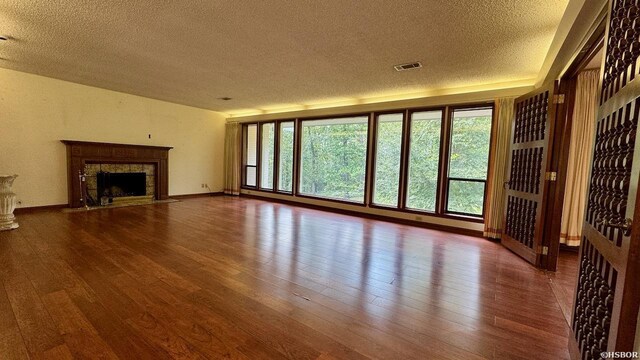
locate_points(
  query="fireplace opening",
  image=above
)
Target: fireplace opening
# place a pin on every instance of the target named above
(114, 185)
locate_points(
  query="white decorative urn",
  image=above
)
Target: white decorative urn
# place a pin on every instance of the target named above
(7, 203)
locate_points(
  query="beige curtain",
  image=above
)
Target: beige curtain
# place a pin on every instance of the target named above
(499, 156)
(580, 148)
(232, 158)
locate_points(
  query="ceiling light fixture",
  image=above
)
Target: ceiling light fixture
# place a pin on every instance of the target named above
(226, 98)
(408, 66)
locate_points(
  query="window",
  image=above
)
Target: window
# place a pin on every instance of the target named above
(267, 143)
(250, 154)
(333, 158)
(285, 157)
(468, 160)
(432, 161)
(387, 159)
(424, 158)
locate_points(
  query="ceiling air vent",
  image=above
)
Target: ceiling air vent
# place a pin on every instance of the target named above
(409, 66)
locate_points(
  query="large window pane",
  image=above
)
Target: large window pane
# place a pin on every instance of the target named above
(285, 159)
(470, 136)
(424, 156)
(251, 155)
(267, 155)
(387, 161)
(468, 160)
(466, 197)
(333, 158)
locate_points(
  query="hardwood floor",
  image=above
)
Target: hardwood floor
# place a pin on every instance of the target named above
(236, 278)
(563, 281)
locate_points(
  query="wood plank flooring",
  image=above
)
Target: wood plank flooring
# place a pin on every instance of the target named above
(563, 281)
(223, 277)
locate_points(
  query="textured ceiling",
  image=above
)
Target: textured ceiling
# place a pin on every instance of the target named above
(277, 54)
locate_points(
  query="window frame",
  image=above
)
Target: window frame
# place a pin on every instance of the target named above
(447, 156)
(298, 155)
(245, 136)
(259, 161)
(405, 175)
(374, 153)
(276, 163)
(442, 188)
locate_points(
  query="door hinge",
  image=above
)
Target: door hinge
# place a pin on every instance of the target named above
(551, 175)
(544, 250)
(558, 99)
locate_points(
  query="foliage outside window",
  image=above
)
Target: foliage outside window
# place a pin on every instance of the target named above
(424, 158)
(333, 158)
(468, 160)
(388, 158)
(421, 160)
(251, 155)
(267, 155)
(285, 157)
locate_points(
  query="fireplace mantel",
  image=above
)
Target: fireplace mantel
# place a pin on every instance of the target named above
(80, 153)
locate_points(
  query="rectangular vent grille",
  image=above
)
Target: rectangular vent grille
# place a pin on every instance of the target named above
(409, 66)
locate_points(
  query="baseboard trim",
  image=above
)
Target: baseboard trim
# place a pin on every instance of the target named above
(451, 229)
(31, 209)
(199, 195)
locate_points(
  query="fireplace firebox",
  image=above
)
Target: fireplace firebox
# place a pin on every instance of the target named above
(121, 184)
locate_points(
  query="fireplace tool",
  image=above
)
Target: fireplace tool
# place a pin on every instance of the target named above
(83, 180)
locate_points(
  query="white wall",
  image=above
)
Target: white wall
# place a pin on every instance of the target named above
(37, 112)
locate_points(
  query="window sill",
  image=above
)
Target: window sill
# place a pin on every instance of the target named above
(458, 217)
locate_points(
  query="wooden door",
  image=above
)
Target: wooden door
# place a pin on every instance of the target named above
(526, 189)
(605, 309)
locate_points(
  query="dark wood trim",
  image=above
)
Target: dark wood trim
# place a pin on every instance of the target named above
(460, 217)
(346, 202)
(277, 162)
(299, 122)
(443, 166)
(258, 155)
(372, 128)
(561, 145)
(410, 112)
(245, 140)
(102, 144)
(275, 141)
(533, 252)
(559, 162)
(404, 161)
(297, 149)
(592, 46)
(466, 218)
(32, 209)
(276, 155)
(368, 166)
(451, 111)
(197, 195)
(373, 151)
(374, 155)
(80, 153)
(451, 229)
(546, 185)
(519, 250)
(630, 291)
